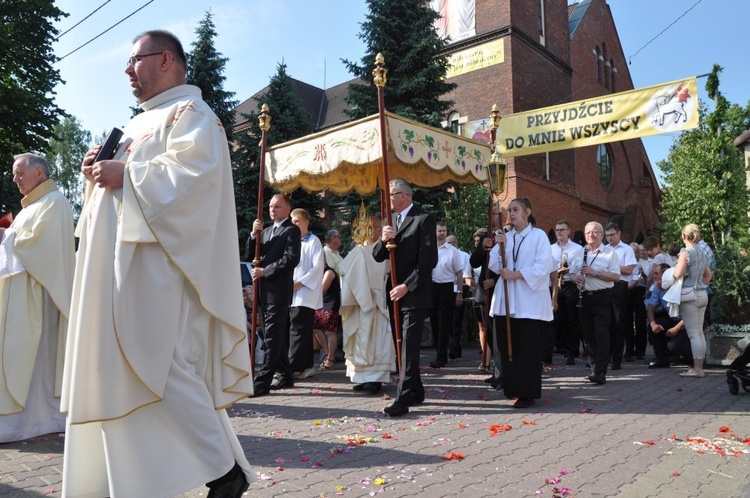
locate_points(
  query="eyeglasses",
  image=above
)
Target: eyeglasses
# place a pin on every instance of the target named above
(394, 194)
(610, 234)
(137, 58)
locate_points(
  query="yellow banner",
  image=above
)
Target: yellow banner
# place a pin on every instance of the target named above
(485, 55)
(664, 108)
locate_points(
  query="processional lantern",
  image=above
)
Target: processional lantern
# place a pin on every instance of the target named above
(496, 166)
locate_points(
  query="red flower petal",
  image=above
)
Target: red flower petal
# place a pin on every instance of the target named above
(454, 456)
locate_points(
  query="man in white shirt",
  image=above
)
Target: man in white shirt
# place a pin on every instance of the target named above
(454, 349)
(565, 330)
(446, 278)
(596, 272)
(307, 297)
(622, 336)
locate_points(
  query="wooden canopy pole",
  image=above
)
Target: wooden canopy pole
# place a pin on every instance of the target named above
(264, 120)
(379, 78)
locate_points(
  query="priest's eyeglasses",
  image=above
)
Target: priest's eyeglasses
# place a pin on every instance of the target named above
(137, 58)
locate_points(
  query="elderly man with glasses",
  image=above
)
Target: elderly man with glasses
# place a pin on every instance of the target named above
(416, 256)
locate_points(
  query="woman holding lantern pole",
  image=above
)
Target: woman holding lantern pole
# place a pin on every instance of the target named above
(528, 263)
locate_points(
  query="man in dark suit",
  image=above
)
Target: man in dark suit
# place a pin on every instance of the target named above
(416, 256)
(279, 255)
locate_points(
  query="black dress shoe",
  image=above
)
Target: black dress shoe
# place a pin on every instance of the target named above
(281, 384)
(616, 366)
(396, 409)
(547, 360)
(260, 391)
(416, 399)
(490, 380)
(454, 354)
(597, 378)
(230, 485)
(372, 387)
(628, 358)
(437, 364)
(524, 403)
(659, 364)
(358, 387)
(570, 360)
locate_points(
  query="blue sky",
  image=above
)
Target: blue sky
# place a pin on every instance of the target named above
(312, 37)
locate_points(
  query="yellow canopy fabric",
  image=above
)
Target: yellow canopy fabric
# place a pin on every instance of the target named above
(347, 158)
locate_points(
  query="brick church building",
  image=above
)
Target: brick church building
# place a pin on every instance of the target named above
(534, 54)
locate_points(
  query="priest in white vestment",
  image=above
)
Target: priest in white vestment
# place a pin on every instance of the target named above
(157, 346)
(36, 276)
(367, 339)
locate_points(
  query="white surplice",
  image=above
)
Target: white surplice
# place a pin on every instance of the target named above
(157, 346)
(367, 339)
(36, 276)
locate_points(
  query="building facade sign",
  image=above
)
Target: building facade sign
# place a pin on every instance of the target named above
(485, 55)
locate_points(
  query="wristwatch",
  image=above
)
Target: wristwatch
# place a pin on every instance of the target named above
(598, 274)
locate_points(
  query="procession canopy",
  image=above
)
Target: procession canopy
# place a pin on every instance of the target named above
(347, 158)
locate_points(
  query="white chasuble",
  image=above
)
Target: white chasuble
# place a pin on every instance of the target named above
(35, 286)
(367, 339)
(157, 346)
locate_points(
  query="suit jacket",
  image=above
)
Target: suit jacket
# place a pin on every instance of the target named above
(278, 258)
(416, 256)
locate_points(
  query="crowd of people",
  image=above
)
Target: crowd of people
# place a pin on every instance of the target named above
(596, 302)
(142, 345)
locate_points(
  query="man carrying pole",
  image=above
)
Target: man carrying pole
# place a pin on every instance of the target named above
(415, 257)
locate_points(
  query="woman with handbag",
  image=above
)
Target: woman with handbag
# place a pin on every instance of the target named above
(692, 267)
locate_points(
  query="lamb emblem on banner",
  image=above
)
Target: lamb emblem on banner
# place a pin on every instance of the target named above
(671, 108)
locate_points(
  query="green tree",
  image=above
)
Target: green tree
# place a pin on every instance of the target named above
(28, 82)
(206, 71)
(705, 183)
(466, 211)
(65, 154)
(289, 121)
(403, 31)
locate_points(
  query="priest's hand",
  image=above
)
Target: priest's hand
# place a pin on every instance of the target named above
(108, 173)
(257, 273)
(87, 165)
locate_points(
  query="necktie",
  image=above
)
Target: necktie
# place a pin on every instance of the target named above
(398, 221)
(274, 230)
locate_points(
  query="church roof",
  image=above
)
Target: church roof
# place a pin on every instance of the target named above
(576, 12)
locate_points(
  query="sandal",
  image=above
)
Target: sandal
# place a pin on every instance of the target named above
(327, 364)
(482, 367)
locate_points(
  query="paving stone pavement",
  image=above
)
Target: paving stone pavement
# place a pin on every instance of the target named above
(637, 436)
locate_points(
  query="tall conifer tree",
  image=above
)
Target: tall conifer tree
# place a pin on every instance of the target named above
(403, 31)
(27, 84)
(290, 120)
(206, 71)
